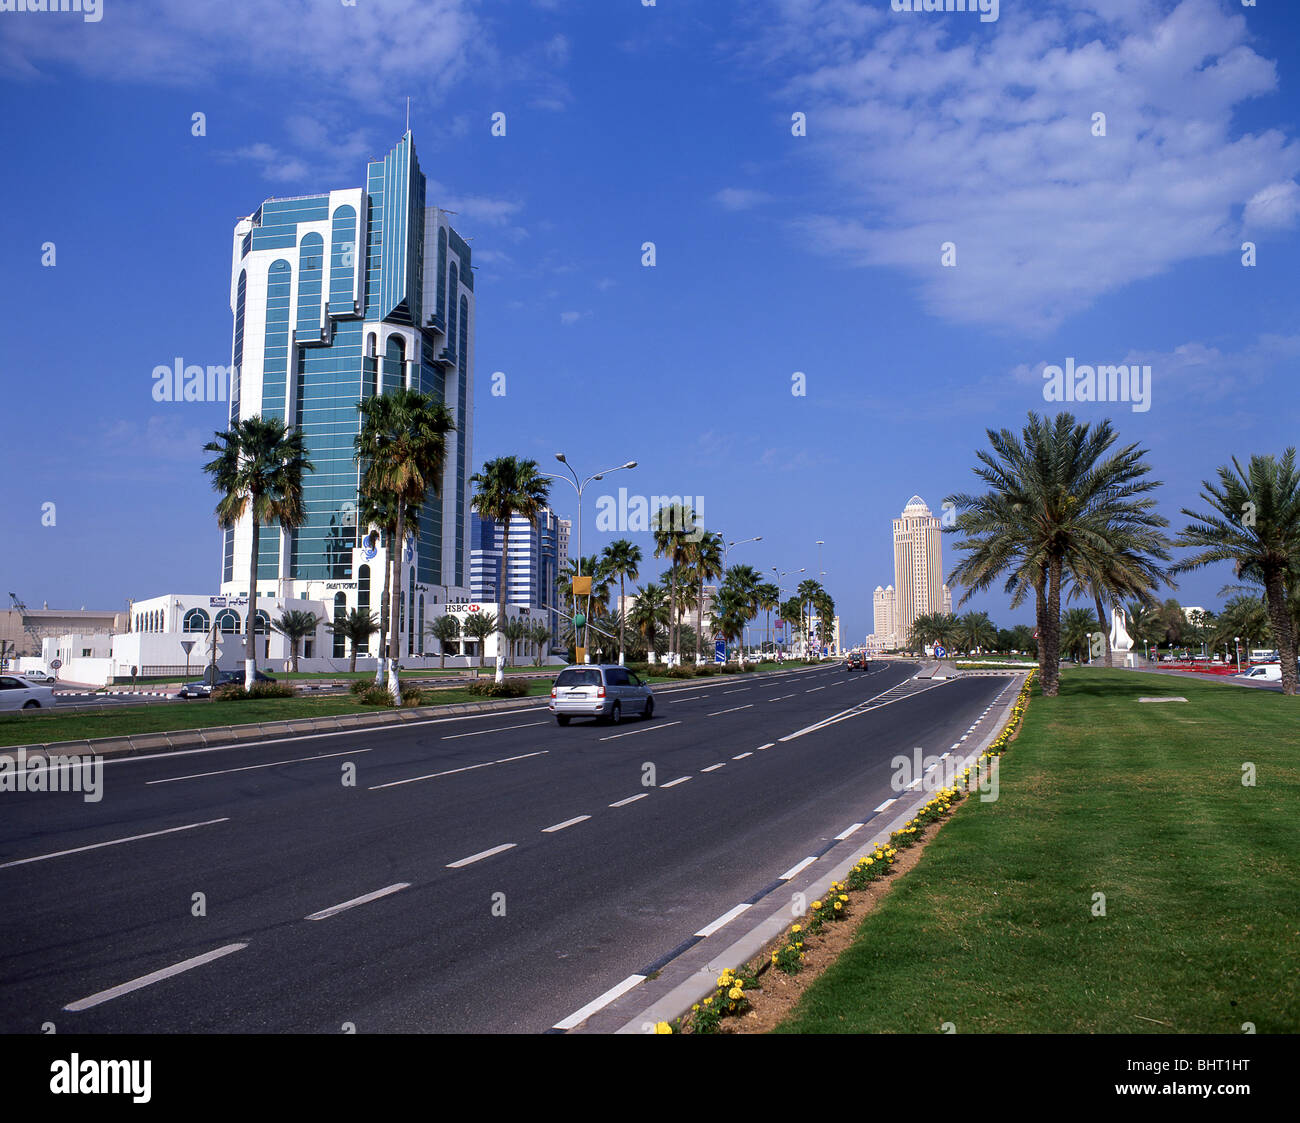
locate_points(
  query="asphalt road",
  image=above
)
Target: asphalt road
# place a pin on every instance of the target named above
(598, 874)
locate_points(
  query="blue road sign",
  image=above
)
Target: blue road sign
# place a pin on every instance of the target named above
(720, 651)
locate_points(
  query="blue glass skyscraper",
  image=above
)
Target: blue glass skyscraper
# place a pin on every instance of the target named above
(338, 297)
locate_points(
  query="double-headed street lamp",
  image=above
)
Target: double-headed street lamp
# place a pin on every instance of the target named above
(779, 575)
(579, 486)
(726, 549)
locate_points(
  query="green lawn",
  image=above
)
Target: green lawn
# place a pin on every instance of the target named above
(994, 929)
(122, 721)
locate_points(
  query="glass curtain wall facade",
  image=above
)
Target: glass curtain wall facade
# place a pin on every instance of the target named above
(338, 297)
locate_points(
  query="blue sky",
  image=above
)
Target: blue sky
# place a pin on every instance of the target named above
(775, 253)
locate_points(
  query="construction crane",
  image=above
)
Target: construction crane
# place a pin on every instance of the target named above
(30, 629)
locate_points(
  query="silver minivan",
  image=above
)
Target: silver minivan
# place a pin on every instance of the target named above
(600, 690)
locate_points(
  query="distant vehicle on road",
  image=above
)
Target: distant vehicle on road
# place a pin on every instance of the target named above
(37, 676)
(18, 694)
(856, 661)
(600, 690)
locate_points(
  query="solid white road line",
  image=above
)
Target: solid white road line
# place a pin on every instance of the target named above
(580, 1016)
(480, 856)
(152, 977)
(647, 729)
(334, 910)
(674, 783)
(887, 804)
(250, 767)
(794, 870)
(454, 771)
(566, 823)
(742, 756)
(630, 799)
(846, 833)
(725, 919)
(733, 710)
(499, 729)
(714, 767)
(112, 842)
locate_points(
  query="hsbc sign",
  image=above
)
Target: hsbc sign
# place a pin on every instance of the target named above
(450, 607)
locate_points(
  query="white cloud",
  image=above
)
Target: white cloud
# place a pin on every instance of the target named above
(570, 318)
(740, 198)
(1275, 206)
(944, 129)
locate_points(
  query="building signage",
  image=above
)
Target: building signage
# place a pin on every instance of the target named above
(341, 585)
(226, 602)
(461, 607)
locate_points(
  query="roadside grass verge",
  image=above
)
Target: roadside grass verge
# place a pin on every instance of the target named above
(169, 717)
(995, 932)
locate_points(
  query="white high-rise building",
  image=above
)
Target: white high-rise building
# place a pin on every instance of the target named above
(918, 566)
(882, 606)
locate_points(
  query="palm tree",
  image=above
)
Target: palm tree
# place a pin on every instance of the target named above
(768, 597)
(378, 514)
(507, 487)
(729, 617)
(356, 627)
(1244, 618)
(649, 613)
(792, 611)
(621, 559)
(1254, 522)
(705, 557)
(444, 629)
(402, 446)
(514, 631)
(258, 468)
(807, 593)
(1077, 626)
(295, 625)
(480, 625)
(1060, 502)
(976, 630)
(671, 525)
(540, 634)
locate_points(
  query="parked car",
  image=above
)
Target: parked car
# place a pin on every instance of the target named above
(600, 690)
(203, 688)
(37, 676)
(17, 693)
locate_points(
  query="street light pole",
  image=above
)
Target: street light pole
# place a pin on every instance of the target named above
(579, 486)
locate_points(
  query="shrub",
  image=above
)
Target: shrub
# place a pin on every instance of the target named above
(361, 685)
(228, 692)
(375, 695)
(271, 690)
(412, 696)
(489, 688)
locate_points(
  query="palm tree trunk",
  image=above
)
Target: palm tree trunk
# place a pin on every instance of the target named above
(250, 643)
(1040, 610)
(501, 593)
(394, 607)
(1052, 679)
(699, 620)
(622, 618)
(1280, 618)
(672, 611)
(352, 665)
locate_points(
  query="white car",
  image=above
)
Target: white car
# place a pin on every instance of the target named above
(37, 676)
(18, 694)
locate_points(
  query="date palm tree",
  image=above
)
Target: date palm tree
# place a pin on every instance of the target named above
(621, 559)
(792, 613)
(1059, 499)
(768, 597)
(976, 630)
(673, 526)
(444, 629)
(480, 625)
(649, 614)
(1078, 626)
(402, 447)
(295, 625)
(258, 469)
(509, 486)
(514, 631)
(704, 556)
(1253, 521)
(356, 627)
(540, 634)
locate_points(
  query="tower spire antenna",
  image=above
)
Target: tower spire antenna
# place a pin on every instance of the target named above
(408, 114)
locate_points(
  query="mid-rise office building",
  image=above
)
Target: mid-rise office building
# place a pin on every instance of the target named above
(532, 569)
(338, 297)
